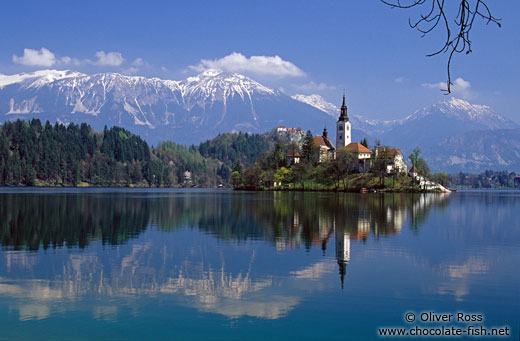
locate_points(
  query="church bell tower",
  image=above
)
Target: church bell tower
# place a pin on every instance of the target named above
(343, 132)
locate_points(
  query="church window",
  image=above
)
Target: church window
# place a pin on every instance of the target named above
(347, 127)
(340, 128)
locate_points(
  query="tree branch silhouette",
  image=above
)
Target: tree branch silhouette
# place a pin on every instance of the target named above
(457, 32)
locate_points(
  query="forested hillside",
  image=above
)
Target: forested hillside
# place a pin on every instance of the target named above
(76, 155)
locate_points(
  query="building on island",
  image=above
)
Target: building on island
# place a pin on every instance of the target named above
(362, 156)
(290, 134)
(394, 159)
(413, 172)
(293, 157)
(327, 151)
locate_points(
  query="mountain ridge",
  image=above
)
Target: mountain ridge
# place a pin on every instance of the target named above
(200, 107)
(186, 111)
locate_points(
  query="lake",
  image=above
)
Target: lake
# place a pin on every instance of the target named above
(217, 264)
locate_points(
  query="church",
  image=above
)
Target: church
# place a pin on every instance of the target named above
(362, 155)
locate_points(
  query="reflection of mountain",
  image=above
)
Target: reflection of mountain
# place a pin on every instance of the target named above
(165, 266)
(227, 272)
(287, 220)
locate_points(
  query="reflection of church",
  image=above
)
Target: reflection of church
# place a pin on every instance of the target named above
(342, 252)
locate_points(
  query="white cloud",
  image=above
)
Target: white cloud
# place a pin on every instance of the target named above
(31, 57)
(108, 59)
(400, 79)
(131, 71)
(313, 86)
(138, 62)
(68, 60)
(45, 57)
(260, 65)
(460, 87)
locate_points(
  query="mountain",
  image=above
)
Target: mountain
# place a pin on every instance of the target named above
(186, 111)
(475, 151)
(433, 124)
(199, 108)
(365, 126)
(454, 134)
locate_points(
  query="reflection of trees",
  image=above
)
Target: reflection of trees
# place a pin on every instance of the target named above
(31, 221)
(286, 219)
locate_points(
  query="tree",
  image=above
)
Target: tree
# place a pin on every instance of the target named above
(423, 168)
(252, 177)
(277, 157)
(414, 157)
(282, 175)
(236, 180)
(442, 178)
(308, 146)
(381, 161)
(364, 142)
(238, 167)
(300, 172)
(437, 13)
(345, 164)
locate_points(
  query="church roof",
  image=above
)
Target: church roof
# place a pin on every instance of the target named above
(320, 141)
(394, 151)
(343, 116)
(389, 153)
(413, 169)
(357, 148)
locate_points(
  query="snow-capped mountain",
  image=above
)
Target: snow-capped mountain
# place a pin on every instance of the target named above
(318, 102)
(461, 110)
(454, 134)
(185, 111)
(473, 116)
(200, 107)
(367, 126)
(433, 124)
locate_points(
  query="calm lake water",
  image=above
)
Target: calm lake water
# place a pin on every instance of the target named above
(217, 264)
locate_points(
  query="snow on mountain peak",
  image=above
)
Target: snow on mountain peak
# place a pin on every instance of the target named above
(37, 78)
(211, 73)
(219, 85)
(319, 103)
(462, 110)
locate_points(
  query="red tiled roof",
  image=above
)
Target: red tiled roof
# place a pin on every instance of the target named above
(393, 151)
(357, 148)
(323, 141)
(388, 152)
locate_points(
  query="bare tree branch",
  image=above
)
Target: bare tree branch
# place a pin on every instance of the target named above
(462, 25)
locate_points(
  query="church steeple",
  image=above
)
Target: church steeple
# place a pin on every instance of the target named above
(343, 137)
(343, 116)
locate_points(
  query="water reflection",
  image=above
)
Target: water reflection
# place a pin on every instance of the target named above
(289, 220)
(237, 255)
(207, 277)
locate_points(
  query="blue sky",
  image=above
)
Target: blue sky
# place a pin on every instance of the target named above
(323, 47)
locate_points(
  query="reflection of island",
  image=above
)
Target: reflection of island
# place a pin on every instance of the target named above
(288, 220)
(217, 270)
